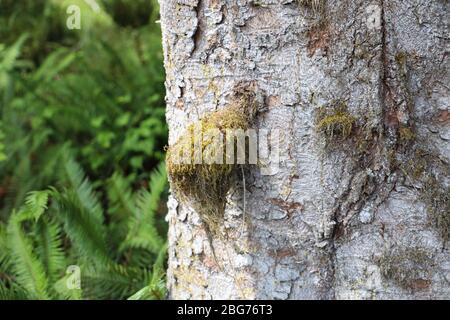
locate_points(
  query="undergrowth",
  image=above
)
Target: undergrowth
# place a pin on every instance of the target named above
(82, 121)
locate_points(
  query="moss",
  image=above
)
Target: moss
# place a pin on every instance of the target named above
(336, 124)
(316, 5)
(406, 134)
(422, 169)
(414, 168)
(400, 58)
(406, 267)
(437, 198)
(206, 184)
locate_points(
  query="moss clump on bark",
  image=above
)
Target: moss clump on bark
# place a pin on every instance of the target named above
(335, 122)
(400, 58)
(316, 5)
(206, 184)
(406, 134)
(406, 267)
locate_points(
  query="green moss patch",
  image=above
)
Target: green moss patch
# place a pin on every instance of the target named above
(334, 122)
(205, 185)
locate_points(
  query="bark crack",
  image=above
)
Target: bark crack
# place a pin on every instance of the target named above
(198, 32)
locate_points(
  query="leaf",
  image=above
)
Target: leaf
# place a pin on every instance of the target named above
(10, 55)
(121, 202)
(113, 281)
(5, 263)
(12, 292)
(82, 215)
(86, 234)
(142, 231)
(83, 191)
(155, 291)
(27, 268)
(36, 203)
(50, 248)
(56, 62)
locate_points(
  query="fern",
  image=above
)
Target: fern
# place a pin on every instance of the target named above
(12, 292)
(120, 196)
(113, 281)
(10, 55)
(38, 261)
(156, 291)
(83, 191)
(100, 101)
(121, 208)
(36, 203)
(142, 229)
(50, 248)
(5, 263)
(27, 268)
(82, 215)
(86, 235)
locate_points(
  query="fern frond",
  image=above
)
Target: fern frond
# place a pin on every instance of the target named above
(142, 229)
(50, 249)
(27, 268)
(82, 215)
(155, 291)
(5, 262)
(159, 264)
(11, 54)
(120, 196)
(87, 235)
(36, 203)
(113, 281)
(12, 292)
(120, 208)
(83, 190)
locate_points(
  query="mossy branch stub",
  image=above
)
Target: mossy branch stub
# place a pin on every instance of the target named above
(206, 184)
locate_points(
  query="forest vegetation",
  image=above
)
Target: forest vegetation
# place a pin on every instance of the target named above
(82, 133)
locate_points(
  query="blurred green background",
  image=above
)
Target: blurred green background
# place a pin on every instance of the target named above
(82, 133)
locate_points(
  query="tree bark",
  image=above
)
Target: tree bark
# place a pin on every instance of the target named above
(363, 215)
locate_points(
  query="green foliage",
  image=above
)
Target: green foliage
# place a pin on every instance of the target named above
(82, 121)
(47, 29)
(134, 14)
(72, 231)
(28, 269)
(103, 96)
(142, 232)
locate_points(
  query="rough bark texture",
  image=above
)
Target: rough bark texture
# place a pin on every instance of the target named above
(362, 216)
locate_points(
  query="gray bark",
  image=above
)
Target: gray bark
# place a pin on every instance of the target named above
(364, 218)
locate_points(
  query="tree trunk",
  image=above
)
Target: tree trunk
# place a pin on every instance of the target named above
(359, 207)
